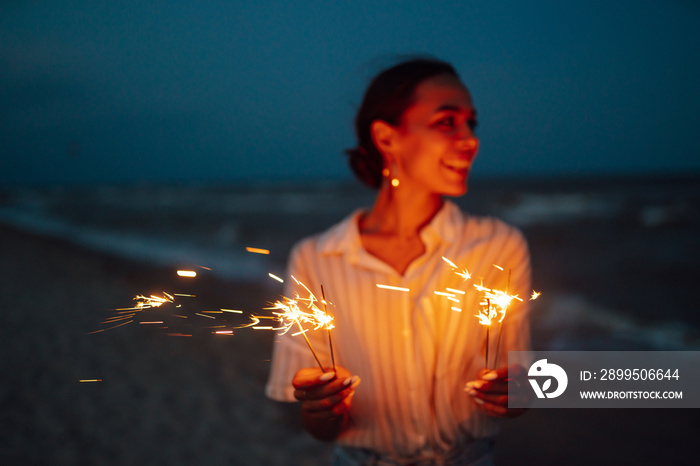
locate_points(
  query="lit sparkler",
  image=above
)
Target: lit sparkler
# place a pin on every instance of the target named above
(290, 312)
(493, 307)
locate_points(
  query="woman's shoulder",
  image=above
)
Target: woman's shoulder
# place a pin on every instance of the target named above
(336, 237)
(488, 228)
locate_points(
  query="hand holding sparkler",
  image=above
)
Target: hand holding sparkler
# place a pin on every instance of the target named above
(493, 388)
(325, 398)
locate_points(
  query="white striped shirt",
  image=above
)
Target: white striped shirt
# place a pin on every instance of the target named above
(412, 350)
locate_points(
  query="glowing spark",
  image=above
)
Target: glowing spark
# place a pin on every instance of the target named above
(300, 310)
(187, 273)
(119, 325)
(275, 277)
(149, 323)
(185, 295)
(464, 273)
(456, 309)
(452, 264)
(232, 310)
(454, 290)
(498, 267)
(535, 295)
(255, 321)
(395, 288)
(146, 302)
(257, 250)
(224, 332)
(486, 315)
(499, 300)
(442, 293)
(90, 380)
(204, 315)
(289, 312)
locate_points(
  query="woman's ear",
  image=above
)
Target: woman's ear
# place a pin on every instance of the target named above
(383, 136)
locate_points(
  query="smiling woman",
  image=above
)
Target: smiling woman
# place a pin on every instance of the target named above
(416, 356)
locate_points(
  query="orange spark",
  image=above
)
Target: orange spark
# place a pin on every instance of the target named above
(257, 250)
(452, 264)
(395, 288)
(275, 277)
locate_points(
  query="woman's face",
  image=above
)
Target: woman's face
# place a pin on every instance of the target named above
(435, 142)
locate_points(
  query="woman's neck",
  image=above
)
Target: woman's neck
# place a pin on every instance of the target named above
(400, 213)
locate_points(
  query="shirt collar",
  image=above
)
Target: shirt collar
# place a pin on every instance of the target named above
(344, 237)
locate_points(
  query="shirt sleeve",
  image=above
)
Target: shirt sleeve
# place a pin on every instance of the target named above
(291, 353)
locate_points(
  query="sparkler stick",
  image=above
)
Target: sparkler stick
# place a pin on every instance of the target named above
(303, 333)
(488, 326)
(500, 326)
(330, 340)
(290, 314)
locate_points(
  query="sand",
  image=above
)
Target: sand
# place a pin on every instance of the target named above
(199, 400)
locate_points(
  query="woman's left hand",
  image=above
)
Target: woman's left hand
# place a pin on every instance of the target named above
(492, 388)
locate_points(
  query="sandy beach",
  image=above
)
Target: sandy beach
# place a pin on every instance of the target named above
(199, 399)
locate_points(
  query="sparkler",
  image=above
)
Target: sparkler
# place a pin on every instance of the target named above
(498, 302)
(328, 330)
(494, 306)
(290, 312)
(500, 323)
(287, 312)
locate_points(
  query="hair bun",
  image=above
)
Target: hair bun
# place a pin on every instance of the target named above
(365, 167)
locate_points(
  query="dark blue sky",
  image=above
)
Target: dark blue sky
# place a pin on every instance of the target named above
(101, 91)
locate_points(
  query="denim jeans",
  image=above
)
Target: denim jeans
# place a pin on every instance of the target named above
(477, 453)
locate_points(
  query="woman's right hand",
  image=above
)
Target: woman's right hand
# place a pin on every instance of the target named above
(325, 394)
(325, 399)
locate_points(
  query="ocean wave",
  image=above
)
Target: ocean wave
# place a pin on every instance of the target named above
(572, 322)
(227, 264)
(533, 209)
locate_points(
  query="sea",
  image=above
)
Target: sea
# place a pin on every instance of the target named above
(615, 258)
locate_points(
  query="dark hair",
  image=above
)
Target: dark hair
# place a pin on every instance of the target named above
(388, 96)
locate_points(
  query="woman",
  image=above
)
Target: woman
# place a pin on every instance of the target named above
(425, 396)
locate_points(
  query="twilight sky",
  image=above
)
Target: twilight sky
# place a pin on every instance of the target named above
(100, 92)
